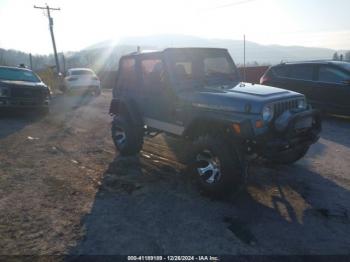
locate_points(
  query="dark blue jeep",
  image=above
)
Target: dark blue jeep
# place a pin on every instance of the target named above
(196, 94)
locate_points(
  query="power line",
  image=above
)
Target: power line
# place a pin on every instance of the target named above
(233, 4)
(48, 9)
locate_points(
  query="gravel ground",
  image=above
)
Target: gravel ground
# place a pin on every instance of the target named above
(63, 190)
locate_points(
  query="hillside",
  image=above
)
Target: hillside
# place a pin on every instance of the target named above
(105, 55)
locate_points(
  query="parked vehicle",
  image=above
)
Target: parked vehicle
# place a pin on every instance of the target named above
(22, 88)
(326, 84)
(82, 80)
(196, 94)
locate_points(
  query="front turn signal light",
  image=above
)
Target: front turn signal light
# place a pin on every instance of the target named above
(237, 128)
(259, 124)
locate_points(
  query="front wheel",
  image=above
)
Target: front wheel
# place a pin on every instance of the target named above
(127, 139)
(217, 166)
(43, 111)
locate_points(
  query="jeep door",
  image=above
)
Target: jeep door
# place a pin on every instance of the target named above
(159, 100)
(332, 91)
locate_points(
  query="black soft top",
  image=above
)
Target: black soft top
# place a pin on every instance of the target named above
(172, 49)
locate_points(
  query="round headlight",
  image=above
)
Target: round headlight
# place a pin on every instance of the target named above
(267, 112)
(301, 103)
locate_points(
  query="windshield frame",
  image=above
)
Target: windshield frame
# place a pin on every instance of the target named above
(35, 78)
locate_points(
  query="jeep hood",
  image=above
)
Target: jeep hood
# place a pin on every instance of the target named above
(236, 98)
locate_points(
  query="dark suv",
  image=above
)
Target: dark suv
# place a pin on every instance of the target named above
(22, 88)
(325, 84)
(196, 94)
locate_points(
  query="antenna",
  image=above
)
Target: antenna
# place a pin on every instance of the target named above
(244, 71)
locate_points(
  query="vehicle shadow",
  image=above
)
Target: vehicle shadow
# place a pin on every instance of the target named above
(148, 207)
(72, 101)
(12, 121)
(336, 129)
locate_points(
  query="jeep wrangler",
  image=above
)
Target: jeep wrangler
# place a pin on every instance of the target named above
(196, 95)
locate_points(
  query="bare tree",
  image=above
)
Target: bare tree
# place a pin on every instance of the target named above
(335, 56)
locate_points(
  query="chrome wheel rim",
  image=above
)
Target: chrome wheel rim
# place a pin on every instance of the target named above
(208, 167)
(119, 137)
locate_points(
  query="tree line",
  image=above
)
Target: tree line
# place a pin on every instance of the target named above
(341, 57)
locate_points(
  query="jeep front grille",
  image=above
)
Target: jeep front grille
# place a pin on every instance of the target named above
(282, 106)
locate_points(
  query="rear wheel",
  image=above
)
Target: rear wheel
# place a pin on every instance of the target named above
(127, 138)
(216, 166)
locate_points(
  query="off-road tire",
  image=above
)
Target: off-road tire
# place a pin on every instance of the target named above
(44, 111)
(233, 172)
(290, 157)
(133, 136)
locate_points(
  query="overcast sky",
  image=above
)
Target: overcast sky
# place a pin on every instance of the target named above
(319, 23)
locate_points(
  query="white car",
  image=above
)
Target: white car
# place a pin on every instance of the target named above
(82, 79)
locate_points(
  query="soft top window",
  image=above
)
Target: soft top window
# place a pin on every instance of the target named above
(152, 72)
(217, 64)
(14, 74)
(202, 64)
(127, 78)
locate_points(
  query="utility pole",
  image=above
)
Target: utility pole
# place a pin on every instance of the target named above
(64, 63)
(31, 61)
(47, 8)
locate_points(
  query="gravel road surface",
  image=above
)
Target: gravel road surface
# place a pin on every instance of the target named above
(64, 190)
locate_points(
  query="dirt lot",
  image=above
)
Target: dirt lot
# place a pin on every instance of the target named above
(62, 191)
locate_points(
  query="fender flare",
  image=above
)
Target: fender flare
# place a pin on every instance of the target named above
(202, 124)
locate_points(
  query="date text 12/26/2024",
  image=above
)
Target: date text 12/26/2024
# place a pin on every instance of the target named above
(173, 258)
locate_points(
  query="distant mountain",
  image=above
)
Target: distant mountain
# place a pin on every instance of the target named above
(266, 54)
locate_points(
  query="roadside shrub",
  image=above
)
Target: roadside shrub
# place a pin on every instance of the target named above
(49, 77)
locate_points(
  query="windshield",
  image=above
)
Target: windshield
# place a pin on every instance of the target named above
(81, 72)
(14, 74)
(346, 66)
(209, 67)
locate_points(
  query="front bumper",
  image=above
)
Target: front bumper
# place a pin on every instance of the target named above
(300, 129)
(9, 102)
(83, 89)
